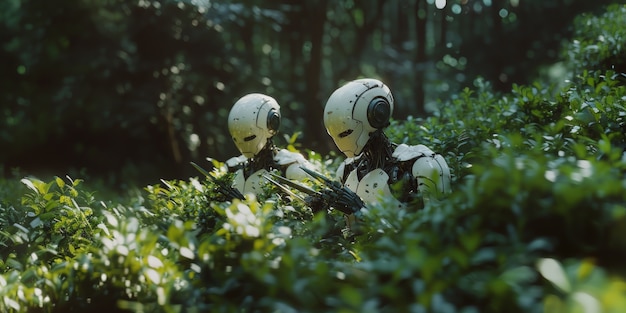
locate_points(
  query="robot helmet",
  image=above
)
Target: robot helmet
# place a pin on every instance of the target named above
(354, 111)
(252, 120)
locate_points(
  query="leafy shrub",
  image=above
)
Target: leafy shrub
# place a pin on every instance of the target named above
(54, 221)
(536, 223)
(599, 41)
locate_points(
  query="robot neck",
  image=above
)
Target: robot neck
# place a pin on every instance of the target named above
(377, 153)
(262, 160)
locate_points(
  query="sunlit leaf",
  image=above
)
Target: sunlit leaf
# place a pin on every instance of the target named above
(153, 275)
(187, 253)
(59, 182)
(552, 270)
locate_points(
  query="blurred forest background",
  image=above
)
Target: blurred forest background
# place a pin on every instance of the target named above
(131, 91)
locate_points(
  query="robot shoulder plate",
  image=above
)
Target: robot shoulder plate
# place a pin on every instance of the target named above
(341, 169)
(405, 152)
(286, 157)
(291, 163)
(235, 162)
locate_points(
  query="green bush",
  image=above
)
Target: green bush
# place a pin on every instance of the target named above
(536, 223)
(599, 41)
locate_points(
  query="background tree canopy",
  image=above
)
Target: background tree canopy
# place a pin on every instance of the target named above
(132, 91)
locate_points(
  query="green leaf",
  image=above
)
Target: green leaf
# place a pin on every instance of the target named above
(29, 184)
(552, 270)
(59, 182)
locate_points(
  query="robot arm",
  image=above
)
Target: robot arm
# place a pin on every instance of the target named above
(291, 163)
(433, 176)
(429, 169)
(235, 163)
(222, 187)
(332, 194)
(337, 195)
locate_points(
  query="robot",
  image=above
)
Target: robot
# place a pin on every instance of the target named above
(252, 122)
(375, 168)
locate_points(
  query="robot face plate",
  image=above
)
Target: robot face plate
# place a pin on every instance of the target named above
(249, 140)
(346, 133)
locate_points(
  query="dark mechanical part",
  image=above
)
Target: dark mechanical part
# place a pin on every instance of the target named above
(337, 195)
(226, 190)
(263, 160)
(313, 200)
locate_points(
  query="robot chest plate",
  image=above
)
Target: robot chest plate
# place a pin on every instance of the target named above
(254, 183)
(372, 188)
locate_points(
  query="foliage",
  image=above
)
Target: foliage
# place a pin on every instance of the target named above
(599, 41)
(108, 82)
(536, 223)
(131, 91)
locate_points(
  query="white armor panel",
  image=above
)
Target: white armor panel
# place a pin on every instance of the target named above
(339, 172)
(239, 182)
(342, 167)
(372, 188)
(293, 171)
(430, 169)
(433, 175)
(405, 152)
(254, 183)
(284, 157)
(235, 161)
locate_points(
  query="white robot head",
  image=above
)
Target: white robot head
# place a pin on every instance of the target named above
(252, 120)
(354, 111)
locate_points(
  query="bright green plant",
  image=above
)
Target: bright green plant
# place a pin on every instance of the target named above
(55, 220)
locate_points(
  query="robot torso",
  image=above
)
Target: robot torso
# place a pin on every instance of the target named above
(411, 170)
(249, 179)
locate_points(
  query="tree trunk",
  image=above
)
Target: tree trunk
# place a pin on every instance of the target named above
(443, 28)
(496, 36)
(314, 103)
(420, 55)
(399, 29)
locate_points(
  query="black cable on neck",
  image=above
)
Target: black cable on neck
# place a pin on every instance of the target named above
(262, 160)
(377, 153)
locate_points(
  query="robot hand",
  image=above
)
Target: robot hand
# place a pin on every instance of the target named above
(341, 198)
(226, 190)
(335, 195)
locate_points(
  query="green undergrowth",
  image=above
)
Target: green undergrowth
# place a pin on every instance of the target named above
(536, 222)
